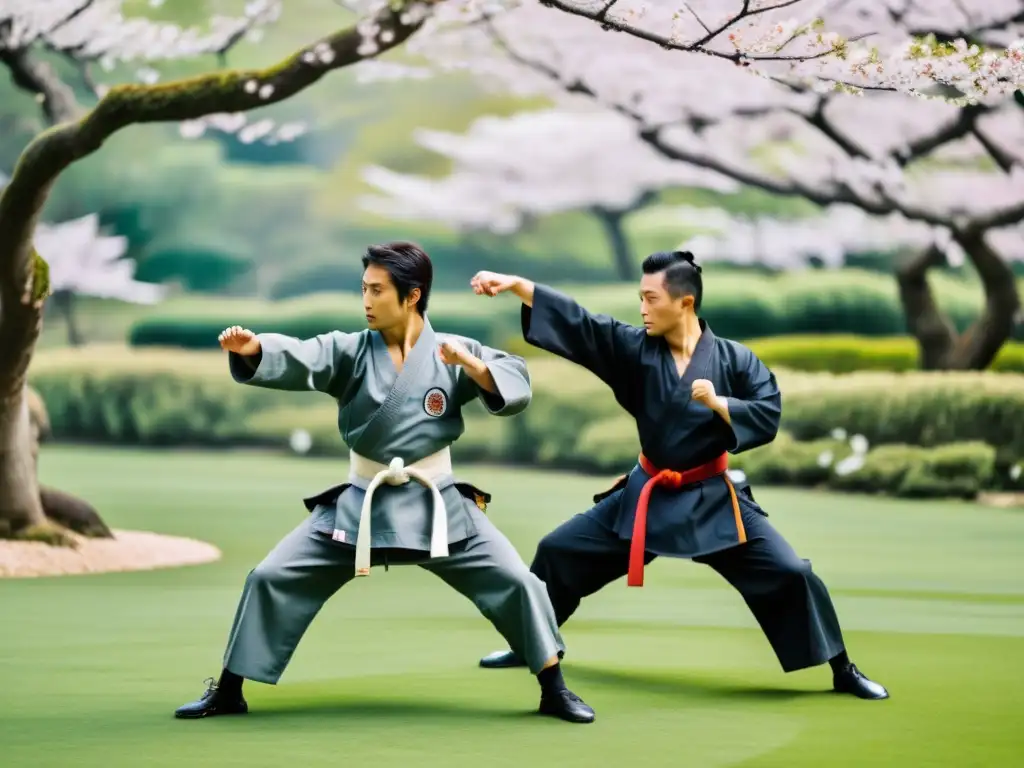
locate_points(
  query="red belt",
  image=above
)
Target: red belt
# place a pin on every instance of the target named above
(672, 479)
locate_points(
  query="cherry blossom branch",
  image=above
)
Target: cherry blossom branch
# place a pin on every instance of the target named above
(698, 18)
(972, 33)
(1000, 157)
(964, 123)
(578, 86)
(836, 193)
(234, 39)
(1002, 217)
(126, 40)
(818, 119)
(653, 136)
(746, 12)
(67, 19)
(87, 32)
(39, 78)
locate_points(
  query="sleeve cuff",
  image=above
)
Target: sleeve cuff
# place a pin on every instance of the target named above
(242, 369)
(737, 411)
(542, 298)
(513, 393)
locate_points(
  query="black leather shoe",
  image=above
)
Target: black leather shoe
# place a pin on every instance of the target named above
(852, 680)
(566, 705)
(212, 703)
(501, 660)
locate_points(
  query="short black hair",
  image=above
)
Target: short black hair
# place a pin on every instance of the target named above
(682, 274)
(409, 267)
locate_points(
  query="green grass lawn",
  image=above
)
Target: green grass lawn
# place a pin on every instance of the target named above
(91, 667)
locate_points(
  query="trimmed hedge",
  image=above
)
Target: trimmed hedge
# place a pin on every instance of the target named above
(925, 409)
(960, 470)
(844, 353)
(150, 397)
(788, 462)
(740, 306)
(925, 430)
(956, 470)
(195, 325)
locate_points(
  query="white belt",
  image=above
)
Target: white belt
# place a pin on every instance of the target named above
(427, 471)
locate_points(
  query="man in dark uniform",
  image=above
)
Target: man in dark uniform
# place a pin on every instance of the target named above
(696, 398)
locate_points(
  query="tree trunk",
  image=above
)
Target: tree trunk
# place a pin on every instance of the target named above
(934, 332)
(622, 253)
(21, 504)
(978, 346)
(941, 347)
(22, 514)
(21, 508)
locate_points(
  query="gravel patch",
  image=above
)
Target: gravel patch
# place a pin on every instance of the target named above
(127, 551)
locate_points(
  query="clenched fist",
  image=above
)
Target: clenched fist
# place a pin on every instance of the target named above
(492, 283)
(453, 353)
(239, 340)
(703, 391)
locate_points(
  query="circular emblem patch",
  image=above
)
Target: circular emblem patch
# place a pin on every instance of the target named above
(435, 402)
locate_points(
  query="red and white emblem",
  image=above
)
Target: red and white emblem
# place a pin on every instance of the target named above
(435, 402)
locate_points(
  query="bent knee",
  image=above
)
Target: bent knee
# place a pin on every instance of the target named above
(519, 583)
(547, 545)
(552, 544)
(264, 574)
(794, 566)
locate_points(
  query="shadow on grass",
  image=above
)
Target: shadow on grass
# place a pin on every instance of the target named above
(382, 710)
(580, 677)
(679, 686)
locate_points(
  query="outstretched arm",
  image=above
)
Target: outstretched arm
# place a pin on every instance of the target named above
(323, 363)
(558, 324)
(500, 380)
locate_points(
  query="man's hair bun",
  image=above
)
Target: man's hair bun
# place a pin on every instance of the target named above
(689, 258)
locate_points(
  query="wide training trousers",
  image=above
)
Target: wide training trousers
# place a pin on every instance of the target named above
(789, 600)
(284, 593)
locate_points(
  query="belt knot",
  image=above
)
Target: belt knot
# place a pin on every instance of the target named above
(670, 478)
(396, 474)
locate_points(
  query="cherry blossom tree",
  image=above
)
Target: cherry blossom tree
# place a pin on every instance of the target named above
(929, 48)
(951, 164)
(827, 240)
(96, 34)
(94, 30)
(508, 171)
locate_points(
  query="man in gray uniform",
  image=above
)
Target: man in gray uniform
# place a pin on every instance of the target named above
(400, 390)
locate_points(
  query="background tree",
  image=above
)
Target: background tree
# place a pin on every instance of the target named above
(85, 262)
(24, 274)
(40, 42)
(945, 162)
(850, 44)
(831, 240)
(87, 34)
(508, 171)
